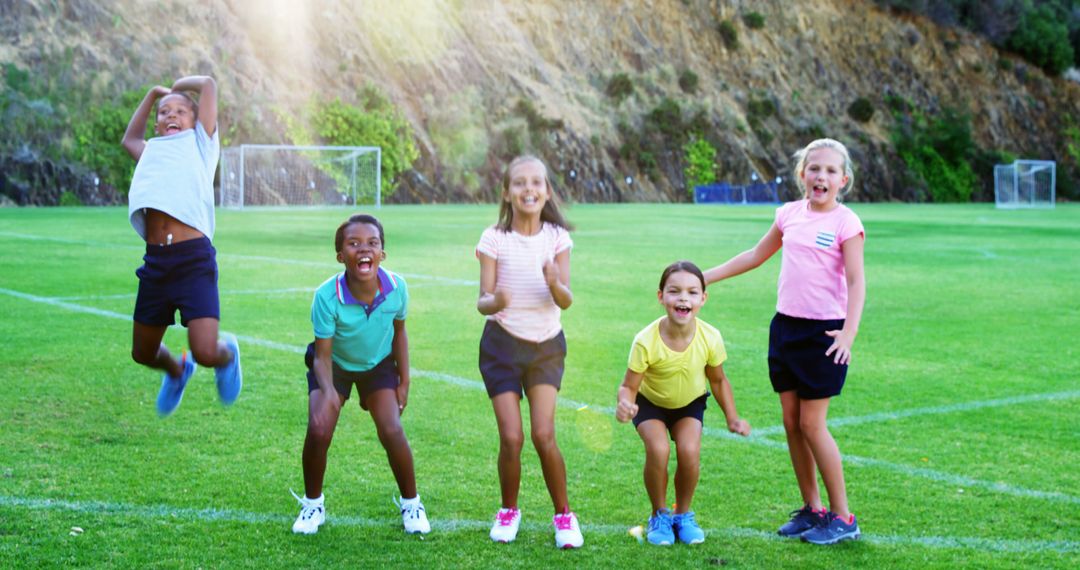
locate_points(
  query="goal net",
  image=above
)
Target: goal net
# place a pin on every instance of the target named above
(1025, 184)
(284, 175)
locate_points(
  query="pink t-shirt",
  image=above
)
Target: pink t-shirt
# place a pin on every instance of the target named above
(812, 283)
(532, 314)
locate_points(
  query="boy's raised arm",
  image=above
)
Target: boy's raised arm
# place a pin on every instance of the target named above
(135, 136)
(206, 87)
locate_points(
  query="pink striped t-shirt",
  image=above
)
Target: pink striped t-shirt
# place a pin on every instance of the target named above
(813, 283)
(532, 314)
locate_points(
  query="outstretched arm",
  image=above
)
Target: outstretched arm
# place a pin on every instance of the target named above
(856, 283)
(628, 390)
(135, 136)
(749, 259)
(206, 87)
(721, 390)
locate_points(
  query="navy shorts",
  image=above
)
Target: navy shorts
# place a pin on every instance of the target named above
(509, 364)
(383, 375)
(670, 416)
(181, 276)
(797, 358)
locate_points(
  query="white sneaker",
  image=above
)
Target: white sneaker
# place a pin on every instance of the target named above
(506, 525)
(567, 532)
(312, 514)
(413, 515)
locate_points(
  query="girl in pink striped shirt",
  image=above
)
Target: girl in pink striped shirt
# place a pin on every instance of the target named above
(524, 286)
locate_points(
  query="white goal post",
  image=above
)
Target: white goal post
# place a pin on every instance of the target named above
(288, 175)
(1025, 184)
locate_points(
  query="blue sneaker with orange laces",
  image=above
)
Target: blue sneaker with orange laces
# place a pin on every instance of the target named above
(687, 529)
(660, 532)
(832, 530)
(228, 377)
(172, 389)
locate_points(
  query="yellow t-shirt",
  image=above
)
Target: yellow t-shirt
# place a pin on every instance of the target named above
(674, 379)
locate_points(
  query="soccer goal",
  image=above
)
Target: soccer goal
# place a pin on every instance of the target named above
(724, 193)
(285, 175)
(1025, 184)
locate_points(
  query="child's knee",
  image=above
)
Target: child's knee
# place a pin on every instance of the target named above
(543, 437)
(659, 450)
(143, 357)
(206, 355)
(512, 442)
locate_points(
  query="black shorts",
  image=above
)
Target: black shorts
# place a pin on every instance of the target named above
(181, 276)
(384, 375)
(509, 364)
(670, 416)
(797, 358)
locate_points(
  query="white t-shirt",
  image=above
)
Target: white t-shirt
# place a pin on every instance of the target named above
(175, 175)
(532, 314)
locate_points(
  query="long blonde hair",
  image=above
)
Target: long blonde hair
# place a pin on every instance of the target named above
(800, 163)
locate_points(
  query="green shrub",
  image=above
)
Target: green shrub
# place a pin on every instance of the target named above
(98, 134)
(938, 151)
(861, 110)
(729, 34)
(619, 87)
(666, 119)
(375, 122)
(68, 198)
(700, 158)
(688, 81)
(1043, 38)
(754, 20)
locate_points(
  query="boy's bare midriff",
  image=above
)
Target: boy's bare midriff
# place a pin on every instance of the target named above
(159, 226)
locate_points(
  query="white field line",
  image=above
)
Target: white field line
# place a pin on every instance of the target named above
(101, 508)
(957, 480)
(330, 267)
(935, 410)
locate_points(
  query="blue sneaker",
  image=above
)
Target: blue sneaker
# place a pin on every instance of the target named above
(833, 531)
(660, 532)
(801, 521)
(687, 529)
(172, 389)
(228, 377)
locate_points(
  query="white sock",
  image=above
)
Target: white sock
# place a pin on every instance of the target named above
(317, 501)
(410, 502)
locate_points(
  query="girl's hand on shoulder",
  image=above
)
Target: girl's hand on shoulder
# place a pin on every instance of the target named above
(626, 411)
(739, 426)
(841, 347)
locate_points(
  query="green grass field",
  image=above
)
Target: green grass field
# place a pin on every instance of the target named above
(960, 422)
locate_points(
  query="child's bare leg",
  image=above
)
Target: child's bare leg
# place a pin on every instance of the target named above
(205, 346)
(507, 407)
(542, 399)
(146, 349)
(802, 459)
(826, 453)
(687, 433)
(322, 420)
(654, 435)
(383, 405)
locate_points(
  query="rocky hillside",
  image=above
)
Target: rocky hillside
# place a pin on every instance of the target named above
(481, 79)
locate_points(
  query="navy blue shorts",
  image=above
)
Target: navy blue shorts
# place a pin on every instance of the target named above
(384, 375)
(797, 358)
(509, 364)
(670, 416)
(181, 276)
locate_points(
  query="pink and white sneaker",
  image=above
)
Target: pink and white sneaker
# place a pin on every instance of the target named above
(506, 525)
(567, 531)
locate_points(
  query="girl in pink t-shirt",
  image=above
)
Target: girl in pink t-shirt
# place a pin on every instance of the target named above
(524, 286)
(820, 296)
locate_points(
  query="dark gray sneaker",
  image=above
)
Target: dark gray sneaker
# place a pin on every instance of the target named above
(801, 521)
(835, 530)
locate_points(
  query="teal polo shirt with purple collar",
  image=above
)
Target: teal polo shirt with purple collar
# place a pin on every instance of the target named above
(363, 334)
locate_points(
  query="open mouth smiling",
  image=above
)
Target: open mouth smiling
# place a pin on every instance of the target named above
(364, 264)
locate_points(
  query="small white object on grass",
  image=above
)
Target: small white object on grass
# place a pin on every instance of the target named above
(636, 532)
